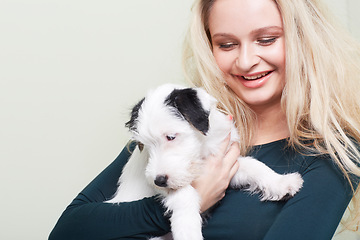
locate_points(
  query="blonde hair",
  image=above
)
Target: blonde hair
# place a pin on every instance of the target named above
(322, 82)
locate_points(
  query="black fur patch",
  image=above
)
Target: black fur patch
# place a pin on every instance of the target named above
(188, 105)
(134, 116)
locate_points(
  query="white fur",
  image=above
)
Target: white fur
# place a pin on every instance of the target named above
(181, 161)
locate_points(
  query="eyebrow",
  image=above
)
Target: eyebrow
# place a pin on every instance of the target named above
(266, 29)
(253, 32)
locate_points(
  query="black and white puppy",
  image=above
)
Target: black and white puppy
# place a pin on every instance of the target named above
(177, 129)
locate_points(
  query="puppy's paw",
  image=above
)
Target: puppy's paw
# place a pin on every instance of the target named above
(294, 183)
(283, 188)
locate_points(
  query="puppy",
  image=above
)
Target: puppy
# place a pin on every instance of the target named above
(177, 128)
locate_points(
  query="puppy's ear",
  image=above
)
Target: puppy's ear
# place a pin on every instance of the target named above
(188, 105)
(134, 116)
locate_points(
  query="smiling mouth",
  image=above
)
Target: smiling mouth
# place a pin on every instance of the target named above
(255, 77)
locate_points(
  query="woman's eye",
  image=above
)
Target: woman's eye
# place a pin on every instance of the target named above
(266, 41)
(170, 137)
(227, 46)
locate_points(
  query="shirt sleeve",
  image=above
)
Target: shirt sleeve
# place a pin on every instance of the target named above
(315, 212)
(88, 217)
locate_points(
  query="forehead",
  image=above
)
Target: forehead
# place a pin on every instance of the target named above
(243, 15)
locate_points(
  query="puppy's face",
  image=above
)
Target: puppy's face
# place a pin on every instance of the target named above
(172, 124)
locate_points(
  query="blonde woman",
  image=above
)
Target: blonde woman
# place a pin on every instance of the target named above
(289, 78)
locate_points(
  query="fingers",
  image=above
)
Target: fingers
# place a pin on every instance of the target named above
(234, 169)
(221, 151)
(224, 145)
(230, 158)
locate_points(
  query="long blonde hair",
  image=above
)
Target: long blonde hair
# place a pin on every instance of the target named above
(322, 82)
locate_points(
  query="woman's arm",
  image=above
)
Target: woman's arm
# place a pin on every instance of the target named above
(315, 212)
(88, 217)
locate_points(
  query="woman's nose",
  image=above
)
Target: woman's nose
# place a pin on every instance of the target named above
(247, 58)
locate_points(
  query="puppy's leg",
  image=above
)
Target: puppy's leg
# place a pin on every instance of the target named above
(259, 178)
(132, 182)
(184, 204)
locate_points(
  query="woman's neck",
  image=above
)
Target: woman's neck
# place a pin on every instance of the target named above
(271, 125)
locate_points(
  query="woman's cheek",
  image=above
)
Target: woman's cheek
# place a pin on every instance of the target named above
(224, 61)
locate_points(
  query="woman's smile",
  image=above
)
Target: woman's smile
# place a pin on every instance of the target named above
(254, 80)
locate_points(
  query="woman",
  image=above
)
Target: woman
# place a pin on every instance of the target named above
(289, 78)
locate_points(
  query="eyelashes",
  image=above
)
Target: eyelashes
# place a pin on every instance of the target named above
(266, 41)
(227, 46)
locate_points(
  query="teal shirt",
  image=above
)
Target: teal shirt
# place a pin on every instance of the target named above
(312, 214)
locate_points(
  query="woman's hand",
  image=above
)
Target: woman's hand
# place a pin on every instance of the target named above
(218, 171)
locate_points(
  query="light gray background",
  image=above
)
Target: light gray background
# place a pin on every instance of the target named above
(70, 70)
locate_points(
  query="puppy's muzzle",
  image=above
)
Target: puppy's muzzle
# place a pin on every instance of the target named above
(161, 180)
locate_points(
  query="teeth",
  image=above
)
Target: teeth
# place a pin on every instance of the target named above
(256, 77)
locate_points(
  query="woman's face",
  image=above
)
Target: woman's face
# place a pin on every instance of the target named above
(249, 47)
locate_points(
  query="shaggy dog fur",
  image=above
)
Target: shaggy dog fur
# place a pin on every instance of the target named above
(177, 128)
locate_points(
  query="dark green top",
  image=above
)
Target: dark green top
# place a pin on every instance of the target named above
(313, 213)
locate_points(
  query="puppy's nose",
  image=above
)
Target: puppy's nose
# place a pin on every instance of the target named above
(161, 180)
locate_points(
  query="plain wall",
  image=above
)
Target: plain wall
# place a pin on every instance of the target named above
(70, 70)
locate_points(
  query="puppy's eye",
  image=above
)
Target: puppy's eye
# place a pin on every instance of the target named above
(170, 137)
(140, 146)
